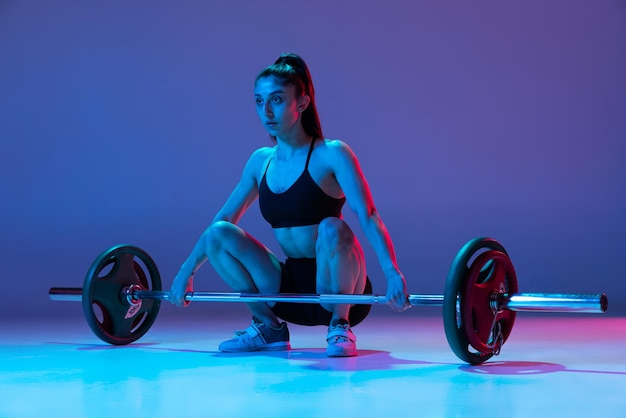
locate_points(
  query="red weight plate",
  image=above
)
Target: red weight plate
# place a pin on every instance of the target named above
(491, 272)
(454, 292)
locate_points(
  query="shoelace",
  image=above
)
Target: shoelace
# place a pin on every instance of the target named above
(343, 336)
(239, 333)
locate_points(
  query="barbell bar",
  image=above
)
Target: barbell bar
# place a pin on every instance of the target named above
(121, 297)
(520, 302)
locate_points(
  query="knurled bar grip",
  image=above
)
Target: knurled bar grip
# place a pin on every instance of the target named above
(534, 302)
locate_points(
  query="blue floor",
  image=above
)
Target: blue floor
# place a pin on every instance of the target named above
(551, 366)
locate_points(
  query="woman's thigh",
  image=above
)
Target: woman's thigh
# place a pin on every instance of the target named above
(340, 258)
(241, 260)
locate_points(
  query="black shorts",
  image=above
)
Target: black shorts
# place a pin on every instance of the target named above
(298, 276)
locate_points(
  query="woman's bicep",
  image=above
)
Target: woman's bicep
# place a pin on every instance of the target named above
(237, 203)
(243, 195)
(353, 182)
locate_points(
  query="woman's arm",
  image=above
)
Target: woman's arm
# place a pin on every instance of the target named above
(240, 199)
(358, 195)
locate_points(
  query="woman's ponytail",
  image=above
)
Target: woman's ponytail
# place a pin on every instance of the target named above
(291, 69)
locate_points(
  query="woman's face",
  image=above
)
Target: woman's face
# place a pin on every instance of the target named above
(278, 107)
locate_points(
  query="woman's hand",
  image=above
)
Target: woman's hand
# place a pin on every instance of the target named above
(397, 296)
(183, 283)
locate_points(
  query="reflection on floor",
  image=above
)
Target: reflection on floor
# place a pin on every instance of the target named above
(551, 366)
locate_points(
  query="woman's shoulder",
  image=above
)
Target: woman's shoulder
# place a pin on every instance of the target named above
(333, 145)
(262, 152)
(336, 148)
(260, 155)
(258, 159)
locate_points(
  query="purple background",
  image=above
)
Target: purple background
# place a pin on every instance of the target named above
(130, 122)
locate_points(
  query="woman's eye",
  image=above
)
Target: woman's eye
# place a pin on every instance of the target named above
(276, 99)
(258, 101)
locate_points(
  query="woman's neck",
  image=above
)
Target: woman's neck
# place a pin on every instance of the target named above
(287, 146)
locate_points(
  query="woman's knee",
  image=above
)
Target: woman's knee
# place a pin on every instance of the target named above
(334, 234)
(220, 235)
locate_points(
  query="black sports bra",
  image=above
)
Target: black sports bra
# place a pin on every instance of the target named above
(304, 203)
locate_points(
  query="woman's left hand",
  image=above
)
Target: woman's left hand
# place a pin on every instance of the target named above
(397, 296)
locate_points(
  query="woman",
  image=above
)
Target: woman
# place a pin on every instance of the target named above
(302, 183)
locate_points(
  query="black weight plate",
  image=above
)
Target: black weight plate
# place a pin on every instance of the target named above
(105, 306)
(453, 292)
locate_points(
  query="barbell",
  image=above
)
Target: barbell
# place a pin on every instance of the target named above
(122, 293)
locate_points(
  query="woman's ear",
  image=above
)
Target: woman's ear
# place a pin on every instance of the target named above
(303, 103)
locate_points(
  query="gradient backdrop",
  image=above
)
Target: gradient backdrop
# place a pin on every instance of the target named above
(130, 122)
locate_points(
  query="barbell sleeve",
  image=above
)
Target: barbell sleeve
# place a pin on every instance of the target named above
(544, 302)
(66, 294)
(535, 302)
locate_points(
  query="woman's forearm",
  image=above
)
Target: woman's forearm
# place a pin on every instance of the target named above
(378, 236)
(196, 258)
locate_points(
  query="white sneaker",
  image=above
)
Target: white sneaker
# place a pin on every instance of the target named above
(258, 337)
(341, 340)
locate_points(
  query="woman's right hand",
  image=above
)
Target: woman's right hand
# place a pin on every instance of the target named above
(183, 283)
